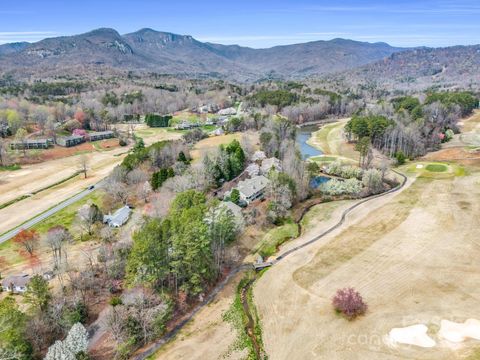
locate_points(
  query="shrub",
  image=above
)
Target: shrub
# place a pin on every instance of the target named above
(339, 187)
(345, 171)
(400, 156)
(235, 196)
(115, 301)
(78, 313)
(372, 180)
(349, 303)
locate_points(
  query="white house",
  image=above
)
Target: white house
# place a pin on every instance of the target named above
(118, 218)
(16, 283)
(252, 189)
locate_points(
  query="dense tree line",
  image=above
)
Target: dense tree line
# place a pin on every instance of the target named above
(408, 127)
(227, 164)
(155, 120)
(178, 253)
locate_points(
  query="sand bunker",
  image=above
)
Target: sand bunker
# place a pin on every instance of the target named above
(459, 332)
(412, 335)
(419, 166)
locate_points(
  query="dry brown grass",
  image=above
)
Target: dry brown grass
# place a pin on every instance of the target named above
(413, 259)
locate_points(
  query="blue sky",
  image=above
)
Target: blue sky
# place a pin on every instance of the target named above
(260, 23)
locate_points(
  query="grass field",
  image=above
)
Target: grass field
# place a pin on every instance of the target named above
(276, 237)
(436, 168)
(320, 213)
(409, 257)
(213, 142)
(65, 217)
(331, 141)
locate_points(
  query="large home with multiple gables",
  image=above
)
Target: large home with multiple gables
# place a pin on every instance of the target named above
(252, 189)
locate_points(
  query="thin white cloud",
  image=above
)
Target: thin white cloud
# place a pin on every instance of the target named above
(30, 36)
(281, 38)
(24, 33)
(453, 8)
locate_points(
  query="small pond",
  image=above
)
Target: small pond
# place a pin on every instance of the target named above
(303, 134)
(318, 180)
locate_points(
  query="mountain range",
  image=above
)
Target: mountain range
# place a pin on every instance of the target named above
(162, 52)
(148, 50)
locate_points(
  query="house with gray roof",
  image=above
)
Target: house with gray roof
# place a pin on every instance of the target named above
(235, 210)
(269, 164)
(119, 217)
(253, 188)
(253, 170)
(228, 206)
(16, 283)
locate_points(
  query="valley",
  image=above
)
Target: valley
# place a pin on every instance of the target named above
(239, 180)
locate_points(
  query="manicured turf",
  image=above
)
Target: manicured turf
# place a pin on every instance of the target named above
(436, 168)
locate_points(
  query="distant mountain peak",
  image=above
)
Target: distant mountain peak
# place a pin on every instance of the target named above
(101, 32)
(151, 50)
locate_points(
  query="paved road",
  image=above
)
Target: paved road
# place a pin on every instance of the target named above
(47, 214)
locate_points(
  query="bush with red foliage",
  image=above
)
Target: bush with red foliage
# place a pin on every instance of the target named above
(349, 302)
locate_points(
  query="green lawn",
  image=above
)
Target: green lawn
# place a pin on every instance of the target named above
(66, 217)
(10, 167)
(276, 237)
(206, 128)
(435, 170)
(436, 167)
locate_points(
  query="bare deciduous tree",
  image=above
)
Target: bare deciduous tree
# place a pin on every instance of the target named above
(83, 163)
